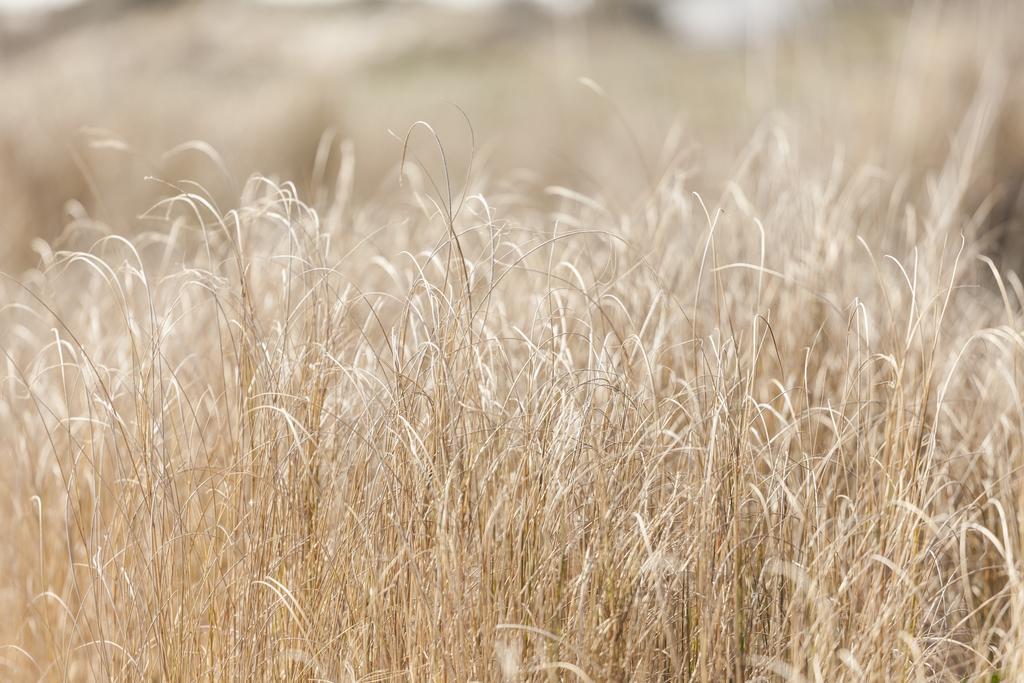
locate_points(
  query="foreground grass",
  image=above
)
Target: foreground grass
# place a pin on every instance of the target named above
(770, 435)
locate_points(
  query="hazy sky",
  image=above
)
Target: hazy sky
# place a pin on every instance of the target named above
(51, 4)
(40, 5)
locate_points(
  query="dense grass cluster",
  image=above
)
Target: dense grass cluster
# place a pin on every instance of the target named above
(477, 434)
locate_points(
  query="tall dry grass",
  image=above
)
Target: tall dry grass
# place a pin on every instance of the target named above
(776, 434)
(479, 430)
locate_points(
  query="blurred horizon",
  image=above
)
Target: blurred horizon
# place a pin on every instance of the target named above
(261, 85)
(708, 21)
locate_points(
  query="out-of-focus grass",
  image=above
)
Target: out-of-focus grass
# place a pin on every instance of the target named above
(261, 86)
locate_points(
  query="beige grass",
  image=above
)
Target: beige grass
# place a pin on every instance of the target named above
(482, 430)
(772, 435)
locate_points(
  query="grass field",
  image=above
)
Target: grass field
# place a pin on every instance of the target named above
(544, 388)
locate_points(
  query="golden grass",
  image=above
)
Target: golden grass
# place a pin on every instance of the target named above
(487, 431)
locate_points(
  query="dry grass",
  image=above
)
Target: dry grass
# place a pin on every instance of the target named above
(484, 430)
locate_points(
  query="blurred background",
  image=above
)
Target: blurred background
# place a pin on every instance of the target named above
(102, 97)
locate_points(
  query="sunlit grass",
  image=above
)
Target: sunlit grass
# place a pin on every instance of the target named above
(643, 412)
(774, 435)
